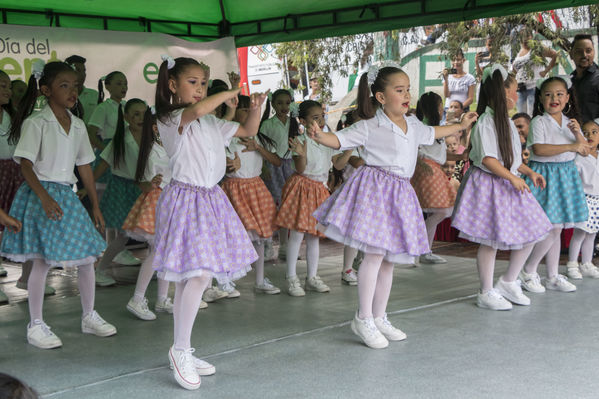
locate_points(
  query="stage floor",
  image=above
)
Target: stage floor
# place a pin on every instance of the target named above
(284, 347)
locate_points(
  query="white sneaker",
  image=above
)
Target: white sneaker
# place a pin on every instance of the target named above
(48, 290)
(387, 329)
(214, 294)
(92, 323)
(39, 335)
(164, 305)
(560, 283)
(140, 309)
(316, 284)
(368, 332)
(202, 367)
(432, 259)
(3, 272)
(103, 280)
(294, 287)
(184, 369)
(574, 271)
(230, 289)
(203, 305)
(3, 297)
(589, 270)
(126, 258)
(349, 277)
(267, 287)
(512, 291)
(492, 300)
(531, 282)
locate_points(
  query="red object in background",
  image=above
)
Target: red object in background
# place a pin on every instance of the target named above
(242, 59)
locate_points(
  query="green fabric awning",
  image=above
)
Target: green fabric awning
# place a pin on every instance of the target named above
(260, 21)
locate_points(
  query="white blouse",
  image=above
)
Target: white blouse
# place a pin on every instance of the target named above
(458, 88)
(486, 144)
(158, 165)
(279, 133)
(436, 152)
(6, 150)
(588, 168)
(545, 130)
(105, 117)
(128, 165)
(318, 159)
(197, 155)
(251, 161)
(385, 144)
(54, 152)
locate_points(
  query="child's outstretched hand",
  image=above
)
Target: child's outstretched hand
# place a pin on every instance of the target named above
(232, 102)
(156, 181)
(234, 78)
(314, 131)
(519, 184)
(298, 147)
(468, 119)
(582, 147)
(11, 223)
(52, 209)
(538, 180)
(98, 219)
(257, 99)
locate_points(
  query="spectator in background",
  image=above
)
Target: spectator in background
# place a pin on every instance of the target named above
(525, 154)
(18, 88)
(522, 122)
(527, 72)
(88, 98)
(483, 58)
(586, 76)
(457, 83)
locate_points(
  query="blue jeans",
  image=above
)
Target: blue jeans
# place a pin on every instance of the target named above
(526, 101)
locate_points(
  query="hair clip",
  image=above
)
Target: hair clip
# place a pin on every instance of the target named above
(490, 70)
(170, 61)
(373, 70)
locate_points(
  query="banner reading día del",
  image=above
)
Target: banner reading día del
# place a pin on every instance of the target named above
(135, 54)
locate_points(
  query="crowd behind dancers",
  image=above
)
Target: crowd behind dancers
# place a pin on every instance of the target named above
(206, 179)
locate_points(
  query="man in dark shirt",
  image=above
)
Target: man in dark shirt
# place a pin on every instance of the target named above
(586, 76)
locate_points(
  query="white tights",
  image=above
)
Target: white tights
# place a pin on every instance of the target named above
(114, 247)
(312, 252)
(432, 221)
(583, 243)
(37, 283)
(485, 261)
(146, 271)
(375, 278)
(259, 264)
(188, 296)
(349, 254)
(549, 249)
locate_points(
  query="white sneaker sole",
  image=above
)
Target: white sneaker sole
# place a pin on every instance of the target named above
(297, 293)
(511, 298)
(376, 345)
(483, 305)
(87, 330)
(549, 287)
(234, 294)
(146, 317)
(267, 292)
(179, 378)
(314, 289)
(205, 372)
(163, 310)
(45, 346)
(346, 282)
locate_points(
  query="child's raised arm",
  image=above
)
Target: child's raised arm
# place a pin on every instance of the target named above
(447, 130)
(206, 106)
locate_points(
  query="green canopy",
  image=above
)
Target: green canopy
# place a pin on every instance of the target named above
(260, 21)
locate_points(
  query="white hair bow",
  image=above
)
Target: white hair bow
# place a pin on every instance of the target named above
(37, 69)
(373, 70)
(565, 78)
(170, 61)
(490, 70)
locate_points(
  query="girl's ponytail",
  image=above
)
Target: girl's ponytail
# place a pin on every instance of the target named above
(118, 141)
(366, 107)
(100, 90)
(266, 113)
(25, 109)
(163, 94)
(145, 146)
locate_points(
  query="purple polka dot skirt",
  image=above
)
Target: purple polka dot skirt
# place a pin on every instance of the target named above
(198, 232)
(490, 211)
(376, 212)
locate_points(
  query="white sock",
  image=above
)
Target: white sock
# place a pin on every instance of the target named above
(293, 248)
(367, 281)
(485, 262)
(540, 250)
(432, 221)
(35, 287)
(145, 275)
(383, 289)
(517, 259)
(259, 264)
(87, 287)
(588, 247)
(188, 296)
(349, 254)
(576, 241)
(115, 246)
